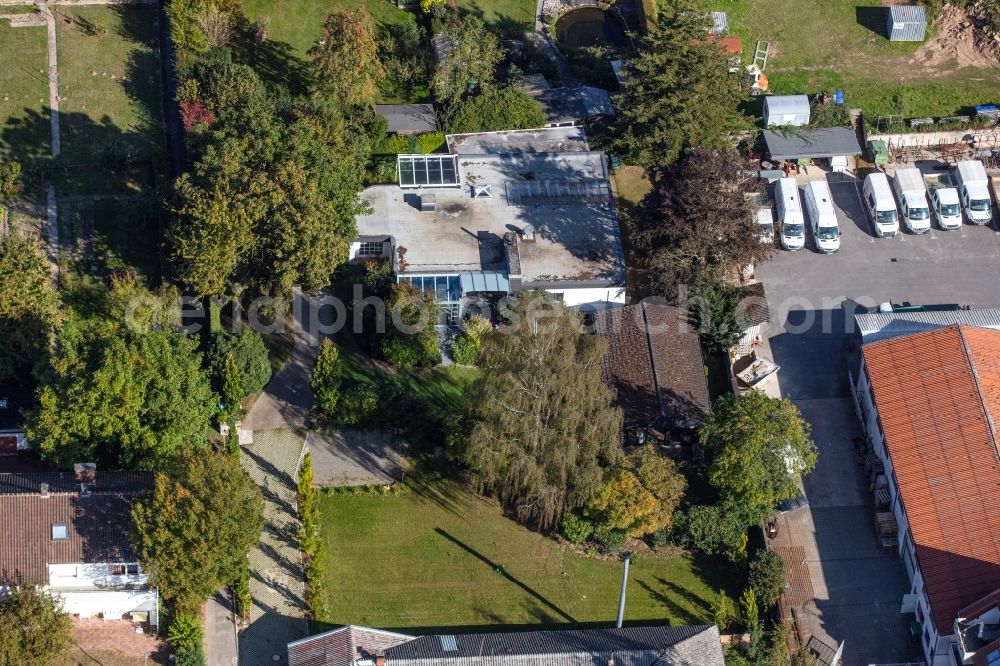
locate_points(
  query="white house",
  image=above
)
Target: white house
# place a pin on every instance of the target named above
(502, 212)
(69, 533)
(930, 402)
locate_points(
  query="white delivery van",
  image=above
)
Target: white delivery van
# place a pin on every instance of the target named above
(912, 194)
(878, 200)
(947, 207)
(973, 191)
(822, 216)
(793, 228)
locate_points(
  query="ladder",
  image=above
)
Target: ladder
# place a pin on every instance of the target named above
(760, 54)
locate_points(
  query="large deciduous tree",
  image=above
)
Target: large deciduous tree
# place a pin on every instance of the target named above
(29, 305)
(123, 388)
(757, 447)
(696, 227)
(345, 64)
(193, 532)
(544, 427)
(249, 353)
(640, 498)
(680, 92)
(33, 627)
(470, 58)
(272, 198)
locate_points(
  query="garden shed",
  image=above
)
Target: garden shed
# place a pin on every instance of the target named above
(906, 23)
(786, 110)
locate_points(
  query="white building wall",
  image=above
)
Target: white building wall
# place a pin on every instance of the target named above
(96, 576)
(591, 296)
(110, 604)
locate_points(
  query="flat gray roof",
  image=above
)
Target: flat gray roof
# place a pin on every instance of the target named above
(564, 196)
(811, 142)
(408, 118)
(564, 105)
(544, 140)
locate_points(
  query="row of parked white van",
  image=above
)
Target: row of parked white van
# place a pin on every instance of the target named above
(967, 189)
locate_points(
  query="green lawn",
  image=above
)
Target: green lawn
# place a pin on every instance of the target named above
(439, 556)
(110, 85)
(443, 389)
(824, 45)
(300, 22)
(25, 130)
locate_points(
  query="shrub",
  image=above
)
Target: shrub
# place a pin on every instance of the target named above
(611, 539)
(194, 113)
(412, 338)
(358, 405)
(576, 529)
(250, 354)
(401, 354)
(496, 109)
(767, 577)
(241, 590)
(660, 538)
(465, 346)
(192, 656)
(184, 632)
(326, 377)
(10, 179)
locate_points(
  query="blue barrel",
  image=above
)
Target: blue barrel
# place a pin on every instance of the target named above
(838, 97)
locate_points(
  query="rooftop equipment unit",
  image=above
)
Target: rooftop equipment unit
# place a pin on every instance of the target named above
(428, 203)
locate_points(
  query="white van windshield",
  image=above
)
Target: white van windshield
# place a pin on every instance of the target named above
(794, 230)
(885, 216)
(918, 214)
(979, 205)
(827, 233)
(949, 209)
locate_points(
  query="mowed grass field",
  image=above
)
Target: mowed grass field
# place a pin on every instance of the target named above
(299, 23)
(440, 556)
(25, 130)
(109, 82)
(824, 45)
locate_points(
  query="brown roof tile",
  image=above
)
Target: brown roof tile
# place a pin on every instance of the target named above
(98, 523)
(341, 647)
(938, 398)
(654, 361)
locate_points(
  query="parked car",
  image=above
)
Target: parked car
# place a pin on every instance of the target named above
(947, 207)
(792, 224)
(765, 225)
(822, 216)
(912, 194)
(973, 191)
(881, 206)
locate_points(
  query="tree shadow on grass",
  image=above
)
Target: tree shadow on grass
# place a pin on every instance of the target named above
(277, 63)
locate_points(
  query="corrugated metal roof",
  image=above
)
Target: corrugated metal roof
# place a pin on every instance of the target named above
(629, 646)
(720, 23)
(484, 281)
(938, 399)
(907, 13)
(408, 118)
(877, 326)
(819, 142)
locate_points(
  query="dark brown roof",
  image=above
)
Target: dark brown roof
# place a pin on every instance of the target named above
(98, 522)
(938, 398)
(654, 361)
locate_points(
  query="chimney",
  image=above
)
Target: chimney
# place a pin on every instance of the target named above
(43, 490)
(379, 659)
(621, 599)
(85, 472)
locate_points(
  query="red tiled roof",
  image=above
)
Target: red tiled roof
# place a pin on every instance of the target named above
(343, 646)
(938, 398)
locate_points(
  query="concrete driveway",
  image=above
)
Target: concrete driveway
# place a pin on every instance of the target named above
(356, 457)
(857, 590)
(220, 632)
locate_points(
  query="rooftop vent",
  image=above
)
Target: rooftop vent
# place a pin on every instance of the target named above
(449, 644)
(428, 203)
(528, 232)
(43, 489)
(482, 191)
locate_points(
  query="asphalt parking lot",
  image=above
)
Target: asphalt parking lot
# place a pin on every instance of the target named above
(812, 299)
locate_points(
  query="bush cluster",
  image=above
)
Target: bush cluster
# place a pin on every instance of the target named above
(310, 541)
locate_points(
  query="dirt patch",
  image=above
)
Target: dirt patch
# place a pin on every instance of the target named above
(961, 39)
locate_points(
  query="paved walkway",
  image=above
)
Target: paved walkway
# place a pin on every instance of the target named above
(277, 585)
(50, 24)
(220, 631)
(287, 399)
